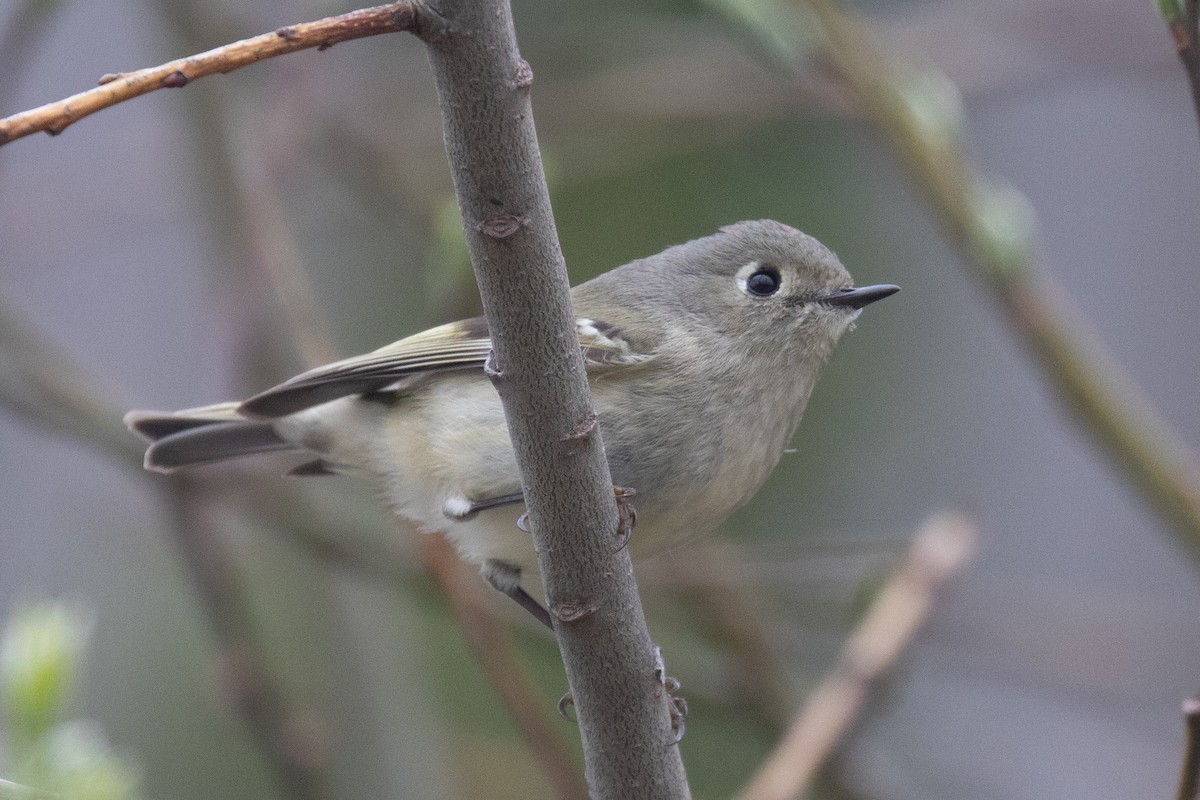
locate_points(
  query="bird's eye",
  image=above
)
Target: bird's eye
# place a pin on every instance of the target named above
(764, 282)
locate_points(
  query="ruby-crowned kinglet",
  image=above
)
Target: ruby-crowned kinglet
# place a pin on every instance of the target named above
(701, 360)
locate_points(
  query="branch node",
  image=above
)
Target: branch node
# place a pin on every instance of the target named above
(428, 24)
(407, 19)
(572, 610)
(109, 77)
(492, 369)
(586, 429)
(502, 226)
(175, 80)
(523, 77)
(287, 33)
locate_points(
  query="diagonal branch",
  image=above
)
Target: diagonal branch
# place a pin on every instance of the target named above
(53, 118)
(938, 553)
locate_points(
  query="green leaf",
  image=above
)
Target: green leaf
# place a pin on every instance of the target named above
(1170, 10)
(40, 655)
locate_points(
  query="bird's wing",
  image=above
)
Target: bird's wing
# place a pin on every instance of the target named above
(457, 345)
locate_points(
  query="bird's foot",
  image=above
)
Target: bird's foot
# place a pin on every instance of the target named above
(677, 707)
(626, 515)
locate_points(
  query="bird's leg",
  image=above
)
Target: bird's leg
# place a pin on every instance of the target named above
(460, 509)
(506, 578)
(503, 576)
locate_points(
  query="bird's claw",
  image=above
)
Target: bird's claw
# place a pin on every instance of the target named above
(678, 708)
(565, 705)
(626, 515)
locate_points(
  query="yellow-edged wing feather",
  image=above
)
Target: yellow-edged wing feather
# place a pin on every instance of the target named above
(457, 345)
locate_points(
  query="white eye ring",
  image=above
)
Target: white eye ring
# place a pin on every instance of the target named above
(748, 279)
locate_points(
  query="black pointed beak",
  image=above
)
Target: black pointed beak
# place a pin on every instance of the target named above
(860, 296)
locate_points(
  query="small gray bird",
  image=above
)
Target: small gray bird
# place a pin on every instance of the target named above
(701, 360)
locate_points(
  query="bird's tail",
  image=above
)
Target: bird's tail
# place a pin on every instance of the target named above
(201, 436)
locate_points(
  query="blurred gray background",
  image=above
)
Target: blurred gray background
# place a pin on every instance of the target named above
(135, 241)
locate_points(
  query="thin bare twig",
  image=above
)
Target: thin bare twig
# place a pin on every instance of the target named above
(938, 552)
(991, 226)
(1189, 773)
(53, 118)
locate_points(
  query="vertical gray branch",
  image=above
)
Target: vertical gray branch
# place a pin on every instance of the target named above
(483, 89)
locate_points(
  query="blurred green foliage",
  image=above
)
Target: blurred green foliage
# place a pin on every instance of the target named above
(41, 666)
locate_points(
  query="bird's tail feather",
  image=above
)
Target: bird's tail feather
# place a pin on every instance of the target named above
(201, 436)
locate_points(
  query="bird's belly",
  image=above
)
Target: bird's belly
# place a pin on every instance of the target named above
(449, 448)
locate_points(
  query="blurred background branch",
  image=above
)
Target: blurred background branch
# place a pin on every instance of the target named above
(42, 385)
(47, 388)
(494, 651)
(1183, 20)
(19, 37)
(938, 553)
(293, 741)
(920, 113)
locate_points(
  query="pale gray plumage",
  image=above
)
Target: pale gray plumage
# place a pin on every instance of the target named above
(699, 382)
